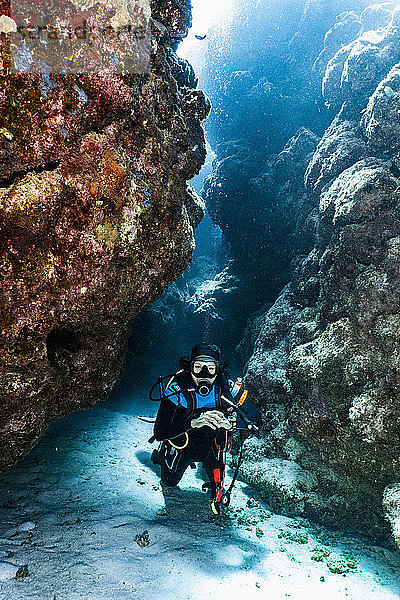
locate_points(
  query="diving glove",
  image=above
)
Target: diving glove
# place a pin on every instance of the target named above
(211, 418)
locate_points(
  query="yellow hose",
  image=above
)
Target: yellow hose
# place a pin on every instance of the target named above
(184, 445)
(172, 378)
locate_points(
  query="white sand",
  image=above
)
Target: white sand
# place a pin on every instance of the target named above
(72, 509)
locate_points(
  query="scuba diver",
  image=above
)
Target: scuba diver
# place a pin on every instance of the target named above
(199, 408)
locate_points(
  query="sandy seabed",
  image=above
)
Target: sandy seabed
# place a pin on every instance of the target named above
(73, 515)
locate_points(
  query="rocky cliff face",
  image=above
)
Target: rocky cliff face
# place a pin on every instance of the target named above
(324, 359)
(260, 213)
(96, 220)
(268, 116)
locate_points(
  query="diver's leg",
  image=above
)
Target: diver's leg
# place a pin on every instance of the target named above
(156, 456)
(215, 474)
(215, 469)
(170, 478)
(173, 465)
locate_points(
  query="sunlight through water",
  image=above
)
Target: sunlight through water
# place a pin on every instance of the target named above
(207, 15)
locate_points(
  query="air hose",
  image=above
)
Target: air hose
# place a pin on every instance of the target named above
(161, 390)
(226, 496)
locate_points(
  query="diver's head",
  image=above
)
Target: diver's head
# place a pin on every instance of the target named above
(204, 367)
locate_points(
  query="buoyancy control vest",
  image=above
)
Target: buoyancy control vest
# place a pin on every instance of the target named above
(181, 402)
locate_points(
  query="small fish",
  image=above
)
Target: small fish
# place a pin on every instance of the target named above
(388, 91)
(7, 134)
(200, 37)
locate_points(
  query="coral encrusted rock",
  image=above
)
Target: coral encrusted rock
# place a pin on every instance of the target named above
(381, 118)
(356, 69)
(255, 209)
(96, 219)
(391, 503)
(323, 360)
(341, 146)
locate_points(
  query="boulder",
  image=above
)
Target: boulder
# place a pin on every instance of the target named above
(380, 121)
(341, 146)
(325, 360)
(97, 220)
(391, 503)
(347, 27)
(356, 69)
(376, 16)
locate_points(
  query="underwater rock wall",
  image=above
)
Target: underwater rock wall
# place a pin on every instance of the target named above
(261, 215)
(324, 359)
(269, 113)
(96, 218)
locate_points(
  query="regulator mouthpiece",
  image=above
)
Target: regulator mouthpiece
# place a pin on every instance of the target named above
(205, 388)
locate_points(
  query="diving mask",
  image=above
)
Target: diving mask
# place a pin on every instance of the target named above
(204, 372)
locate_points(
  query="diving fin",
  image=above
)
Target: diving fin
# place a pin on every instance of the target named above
(147, 419)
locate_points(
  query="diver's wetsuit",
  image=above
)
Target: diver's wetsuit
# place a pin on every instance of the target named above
(180, 404)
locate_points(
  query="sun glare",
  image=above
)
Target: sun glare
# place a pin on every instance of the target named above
(207, 14)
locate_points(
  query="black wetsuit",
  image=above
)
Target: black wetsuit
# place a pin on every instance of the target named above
(173, 426)
(180, 404)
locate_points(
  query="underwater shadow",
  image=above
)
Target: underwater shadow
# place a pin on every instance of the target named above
(143, 457)
(187, 511)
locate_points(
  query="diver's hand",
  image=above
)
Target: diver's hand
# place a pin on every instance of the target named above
(211, 418)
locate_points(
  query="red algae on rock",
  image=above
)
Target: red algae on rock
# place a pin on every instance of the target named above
(97, 220)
